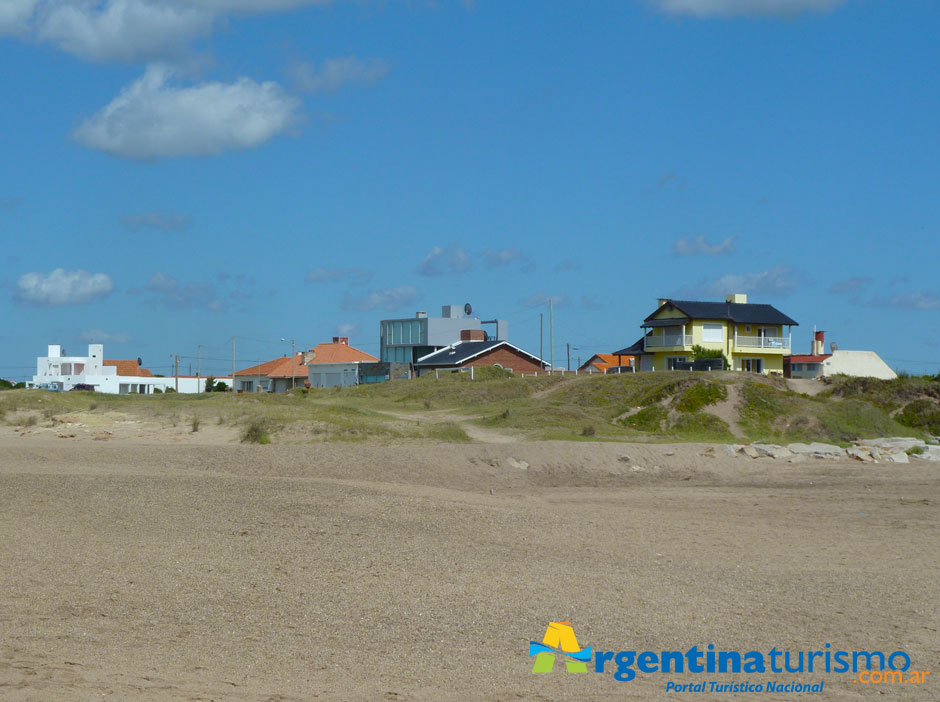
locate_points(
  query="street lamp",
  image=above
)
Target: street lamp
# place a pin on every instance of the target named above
(291, 362)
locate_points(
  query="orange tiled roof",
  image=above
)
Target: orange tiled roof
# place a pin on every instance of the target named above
(261, 368)
(339, 353)
(322, 353)
(129, 369)
(603, 361)
(281, 368)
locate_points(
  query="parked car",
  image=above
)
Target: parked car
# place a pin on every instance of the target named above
(51, 387)
(82, 386)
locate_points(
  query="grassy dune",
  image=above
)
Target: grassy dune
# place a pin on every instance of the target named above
(646, 406)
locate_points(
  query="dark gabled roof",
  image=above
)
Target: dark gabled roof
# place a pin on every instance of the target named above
(464, 351)
(634, 350)
(739, 313)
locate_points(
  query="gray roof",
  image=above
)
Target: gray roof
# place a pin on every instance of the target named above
(464, 351)
(739, 313)
(634, 350)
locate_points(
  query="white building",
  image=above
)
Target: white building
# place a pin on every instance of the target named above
(107, 376)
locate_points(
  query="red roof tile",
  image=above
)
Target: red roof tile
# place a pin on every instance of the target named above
(129, 369)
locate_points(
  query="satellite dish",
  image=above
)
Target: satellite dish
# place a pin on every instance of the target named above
(467, 309)
(139, 362)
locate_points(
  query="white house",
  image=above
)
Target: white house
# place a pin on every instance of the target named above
(107, 376)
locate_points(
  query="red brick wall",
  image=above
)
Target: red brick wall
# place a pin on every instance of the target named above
(507, 358)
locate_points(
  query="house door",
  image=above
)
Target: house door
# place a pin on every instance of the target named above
(752, 365)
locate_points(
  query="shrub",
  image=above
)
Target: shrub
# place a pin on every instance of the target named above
(210, 384)
(921, 414)
(647, 419)
(916, 451)
(256, 432)
(588, 430)
(701, 395)
(157, 391)
(194, 424)
(702, 426)
(169, 390)
(5, 384)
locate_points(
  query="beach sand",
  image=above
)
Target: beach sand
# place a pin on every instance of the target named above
(189, 567)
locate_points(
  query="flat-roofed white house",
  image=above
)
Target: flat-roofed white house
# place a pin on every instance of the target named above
(115, 377)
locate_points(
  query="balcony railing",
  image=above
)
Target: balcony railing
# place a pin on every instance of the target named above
(668, 340)
(763, 342)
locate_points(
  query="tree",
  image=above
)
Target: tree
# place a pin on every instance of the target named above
(699, 351)
(210, 384)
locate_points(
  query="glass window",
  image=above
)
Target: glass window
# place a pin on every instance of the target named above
(812, 366)
(713, 332)
(797, 366)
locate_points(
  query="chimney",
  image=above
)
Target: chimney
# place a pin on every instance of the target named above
(819, 343)
(736, 299)
(661, 301)
(308, 357)
(421, 315)
(344, 340)
(472, 335)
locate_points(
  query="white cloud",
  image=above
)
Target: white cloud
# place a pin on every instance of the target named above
(161, 282)
(97, 336)
(61, 287)
(164, 221)
(439, 261)
(123, 30)
(728, 8)
(352, 276)
(151, 119)
(389, 299)
(336, 72)
(127, 30)
(850, 285)
(919, 300)
(699, 246)
(15, 15)
(777, 281)
(347, 329)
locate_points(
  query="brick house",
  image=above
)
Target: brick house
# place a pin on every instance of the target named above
(473, 350)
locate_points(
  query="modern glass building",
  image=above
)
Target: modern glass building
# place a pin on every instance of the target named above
(407, 340)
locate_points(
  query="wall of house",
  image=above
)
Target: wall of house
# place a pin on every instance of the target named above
(862, 364)
(507, 358)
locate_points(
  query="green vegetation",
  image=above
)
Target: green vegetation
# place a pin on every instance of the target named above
(256, 432)
(5, 384)
(916, 451)
(642, 407)
(700, 352)
(701, 426)
(921, 414)
(695, 397)
(647, 419)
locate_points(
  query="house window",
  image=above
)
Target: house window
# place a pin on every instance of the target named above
(713, 332)
(798, 367)
(248, 385)
(752, 365)
(812, 366)
(673, 361)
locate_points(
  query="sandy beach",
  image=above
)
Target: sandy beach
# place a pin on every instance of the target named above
(196, 569)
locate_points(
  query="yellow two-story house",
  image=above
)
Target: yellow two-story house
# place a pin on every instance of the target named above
(753, 338)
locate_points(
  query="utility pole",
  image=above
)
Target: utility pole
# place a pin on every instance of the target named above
(568, 346)
(233, 363)
(176, 373)
(198, 366)
(551, 333)
(541, 335)
(292, 358)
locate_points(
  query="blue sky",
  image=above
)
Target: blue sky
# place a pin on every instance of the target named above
(178, 172)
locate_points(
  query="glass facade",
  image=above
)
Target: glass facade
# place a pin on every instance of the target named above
(400, 337)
